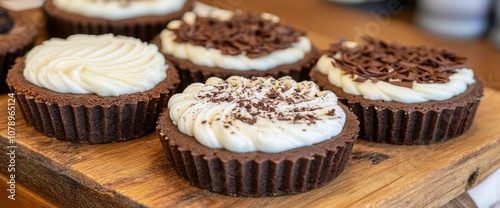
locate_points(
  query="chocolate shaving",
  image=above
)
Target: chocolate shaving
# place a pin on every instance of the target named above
(250, 105)
(397, 64)
(246, 33)
(331, 112)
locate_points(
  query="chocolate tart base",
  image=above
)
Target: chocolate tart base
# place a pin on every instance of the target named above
(62, 24)
(408, 124)
(89, 118)
(191, 73)
(257, 174)
(15, 43)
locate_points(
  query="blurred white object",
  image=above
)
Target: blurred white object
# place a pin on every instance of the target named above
(458, 28)
(18, 5)
(487, 193)
(454, 18)
(455, 8)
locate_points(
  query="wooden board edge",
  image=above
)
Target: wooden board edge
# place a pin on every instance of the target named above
(54, 184)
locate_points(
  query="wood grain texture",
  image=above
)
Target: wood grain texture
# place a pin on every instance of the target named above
(136, 173)
(24, 197)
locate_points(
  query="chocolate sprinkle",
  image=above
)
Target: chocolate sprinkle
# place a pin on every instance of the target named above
(250, 107)
(6, 21)
(246, 33)
(395, 63)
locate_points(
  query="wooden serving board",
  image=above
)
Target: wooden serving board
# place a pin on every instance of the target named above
(136, 174)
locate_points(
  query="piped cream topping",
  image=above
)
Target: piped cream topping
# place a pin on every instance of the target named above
(258, 114)
(105, 65)
(119, 9)
(212, 57)
(390, 91)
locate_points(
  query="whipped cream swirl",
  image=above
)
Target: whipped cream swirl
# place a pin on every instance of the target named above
(211, 57)
(258, 114)
(381, 90)
(105, 65)
(119, 9)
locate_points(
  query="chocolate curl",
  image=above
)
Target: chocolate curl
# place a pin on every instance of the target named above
(244, 33)
(397, 64)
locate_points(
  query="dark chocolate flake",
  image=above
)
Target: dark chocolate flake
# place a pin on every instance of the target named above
(331, 112)
(272, 95)
(244, 33)
(397, 64)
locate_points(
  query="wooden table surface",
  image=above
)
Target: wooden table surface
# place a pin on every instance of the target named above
(406, 178)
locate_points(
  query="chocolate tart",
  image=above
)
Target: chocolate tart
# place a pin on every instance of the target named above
(221, 35)
(408, 123)
(17, 36)
(62, 24)
(416, 123)
(257, 174)
(90, 118)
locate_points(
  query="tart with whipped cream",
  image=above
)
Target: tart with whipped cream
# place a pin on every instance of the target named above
(225, 43)
(257, 136)
(93, 89)
(142, 19)
(17, 36)
(401, 94)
